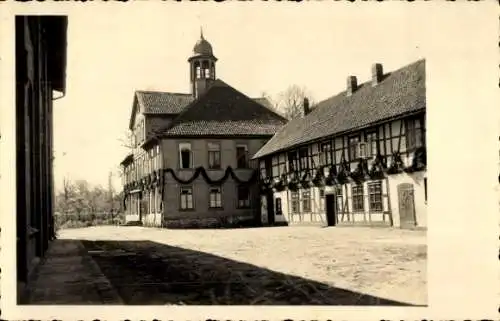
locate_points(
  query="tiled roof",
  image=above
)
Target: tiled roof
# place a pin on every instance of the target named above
(156, 102)
(223, 110)
(400, 92)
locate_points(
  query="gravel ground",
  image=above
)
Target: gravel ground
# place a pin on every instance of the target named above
(278, 265)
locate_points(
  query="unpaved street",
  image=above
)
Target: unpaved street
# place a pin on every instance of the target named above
(279, 265)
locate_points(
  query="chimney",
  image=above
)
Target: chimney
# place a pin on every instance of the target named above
(352, 85)
(377, 74)
(306, 106)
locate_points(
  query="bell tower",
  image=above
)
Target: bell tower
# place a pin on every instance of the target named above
(202, 67)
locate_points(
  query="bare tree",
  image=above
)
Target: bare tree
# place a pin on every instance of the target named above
(290, 102)
(127, 140)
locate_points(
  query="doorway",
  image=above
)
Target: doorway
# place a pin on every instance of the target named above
(406, 205)
(330, 209)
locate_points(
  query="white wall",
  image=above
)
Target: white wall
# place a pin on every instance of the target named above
(417, 179)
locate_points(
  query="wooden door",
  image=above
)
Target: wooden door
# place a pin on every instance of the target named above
(406, 200)
(330, 209)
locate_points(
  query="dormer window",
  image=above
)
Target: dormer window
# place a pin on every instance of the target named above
(185, 155)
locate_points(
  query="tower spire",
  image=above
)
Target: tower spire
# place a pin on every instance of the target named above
(201, 32)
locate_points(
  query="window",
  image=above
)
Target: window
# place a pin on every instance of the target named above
(322, 199)
(215, 197)
(241, 156)
(340, 200)
(243, 196)
(185, 157)
(292, 161)
(304, 158)
(353, 148)
(414, 135)
(306, 201)
(357, 198)
(371, 144)
(325, 154)
(263, 172)
(279, 209)
(187, 198)
(278, 165)
(295, 202)
(375, 196)
(214, 156)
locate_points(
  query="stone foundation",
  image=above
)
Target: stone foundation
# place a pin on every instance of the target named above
(211, 222)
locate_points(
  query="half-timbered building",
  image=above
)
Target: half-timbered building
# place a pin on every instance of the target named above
(358, 157)
(191, 158)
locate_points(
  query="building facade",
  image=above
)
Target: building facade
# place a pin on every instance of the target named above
(357, 158)
(190, 164)
(40, 79)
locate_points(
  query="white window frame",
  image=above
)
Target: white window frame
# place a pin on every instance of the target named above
(184, 200)
(216, 202)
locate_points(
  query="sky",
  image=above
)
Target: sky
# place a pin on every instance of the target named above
(114, 51)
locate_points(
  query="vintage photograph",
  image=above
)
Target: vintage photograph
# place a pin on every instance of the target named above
(219, 186)
(192, 156)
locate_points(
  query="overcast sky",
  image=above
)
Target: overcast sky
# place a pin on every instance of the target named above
(118, 49)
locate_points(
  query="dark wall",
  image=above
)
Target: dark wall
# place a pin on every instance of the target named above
(34, 173)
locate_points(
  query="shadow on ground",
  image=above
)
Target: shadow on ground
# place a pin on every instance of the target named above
(145, 272)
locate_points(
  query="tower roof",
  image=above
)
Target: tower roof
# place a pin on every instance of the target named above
(202, 46)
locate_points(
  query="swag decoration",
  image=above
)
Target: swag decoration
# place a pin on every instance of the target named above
(319, 179)
(305, 180)
(378, 167)
(418, 161)
(397, 164)
(343, 174)
(294, 183)
(201, 171)
(330, 180)
(360, 173)
(265, 185)
(279, 184)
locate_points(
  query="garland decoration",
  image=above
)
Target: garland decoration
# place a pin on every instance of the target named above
(419, 160)
(265, 185)
(305, 180)
(319, 179)
(378, 167)
(332, 176)
(360, 173)
(293, 183)
(201, 171)
(343, 175)
(397, 164)
(280, 184)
